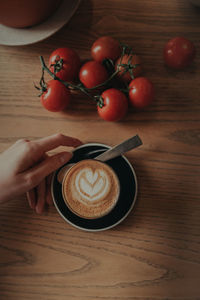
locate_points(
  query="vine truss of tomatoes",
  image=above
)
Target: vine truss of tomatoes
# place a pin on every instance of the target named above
(111, 78)
(113, 72)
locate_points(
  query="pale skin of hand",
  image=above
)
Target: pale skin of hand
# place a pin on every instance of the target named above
(26, 167)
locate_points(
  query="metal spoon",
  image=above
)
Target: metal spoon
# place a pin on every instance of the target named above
(111, 153)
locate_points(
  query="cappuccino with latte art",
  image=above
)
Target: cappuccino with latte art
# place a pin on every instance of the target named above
(91, 189)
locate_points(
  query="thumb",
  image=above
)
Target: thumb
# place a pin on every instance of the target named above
(47, 166)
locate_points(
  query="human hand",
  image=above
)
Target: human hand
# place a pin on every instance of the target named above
(26, 167)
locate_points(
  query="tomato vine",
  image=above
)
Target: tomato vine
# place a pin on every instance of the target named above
(110, 67)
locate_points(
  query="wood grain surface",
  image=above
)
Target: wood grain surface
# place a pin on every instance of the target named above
(155, 253)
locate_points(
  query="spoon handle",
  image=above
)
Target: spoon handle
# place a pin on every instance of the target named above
(125, 146)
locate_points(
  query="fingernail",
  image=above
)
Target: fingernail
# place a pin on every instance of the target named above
(33, 204)
(65, 157)
(79, 143)
(38, 209)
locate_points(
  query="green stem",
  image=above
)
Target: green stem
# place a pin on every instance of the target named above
(68, 85)
(79, 87)
(105, 82)
(44, 67)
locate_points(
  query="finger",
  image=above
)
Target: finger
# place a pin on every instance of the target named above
(56, 140)
(18, 142)
(41, 193)
(36, 174)
(49, 199)
(31, 196)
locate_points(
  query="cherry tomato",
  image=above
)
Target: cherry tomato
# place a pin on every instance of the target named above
(92, 74)
(179, 52)
(65, 63)
(56, 97)
(141, 92)
(105, 47)
(115, 105)
(132, 64)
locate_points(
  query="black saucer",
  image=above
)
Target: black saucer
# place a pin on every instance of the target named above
(127, 198)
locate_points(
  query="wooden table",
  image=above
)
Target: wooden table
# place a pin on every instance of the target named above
(154, 253)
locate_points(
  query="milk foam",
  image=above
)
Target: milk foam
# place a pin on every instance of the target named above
(90, 189)
(92, 185)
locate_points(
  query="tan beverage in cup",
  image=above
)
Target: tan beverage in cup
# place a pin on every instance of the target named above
(91, 189)
(24, 13)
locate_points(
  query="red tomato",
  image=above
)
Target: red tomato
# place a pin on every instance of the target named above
(179, 52)
(141, 92)
(115, 105)
(105, 47)
(65, 63)
(92, 74)
(129, 62)
(56, 97)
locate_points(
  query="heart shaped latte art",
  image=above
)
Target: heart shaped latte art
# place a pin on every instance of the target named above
(92, 185)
